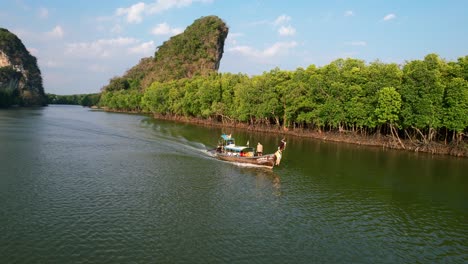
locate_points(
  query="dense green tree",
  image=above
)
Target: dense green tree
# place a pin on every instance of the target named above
(423, 99)
(225, 108)
(388, 109)
(379, 75)
(422, 93)
(463, 67)
(272, 88)
(209, 93)
(75, 99)
(245, 101)
(295, 98)
(456, 107)
(116, 84)
(90, 100)
(190, 103)
(356, 111)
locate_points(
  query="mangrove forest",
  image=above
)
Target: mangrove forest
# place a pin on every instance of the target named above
(421, 101)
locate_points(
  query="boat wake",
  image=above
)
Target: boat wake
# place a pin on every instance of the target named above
(248, 165)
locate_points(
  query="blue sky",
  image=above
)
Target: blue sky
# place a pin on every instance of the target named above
(80, 45)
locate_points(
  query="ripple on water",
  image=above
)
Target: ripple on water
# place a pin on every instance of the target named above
(109, 188)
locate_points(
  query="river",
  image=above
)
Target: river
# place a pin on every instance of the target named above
(85, 186)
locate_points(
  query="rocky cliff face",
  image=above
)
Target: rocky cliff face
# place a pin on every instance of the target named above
(20, 77)
(196, 51)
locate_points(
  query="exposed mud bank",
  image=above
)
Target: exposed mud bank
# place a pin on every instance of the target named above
(376, 140)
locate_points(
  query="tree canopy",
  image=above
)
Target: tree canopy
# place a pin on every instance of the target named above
(423, 100)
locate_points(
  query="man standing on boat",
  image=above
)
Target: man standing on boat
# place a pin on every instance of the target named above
(282, 145)
(259, 149)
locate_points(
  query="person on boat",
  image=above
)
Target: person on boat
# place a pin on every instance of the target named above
(278, 156)
(259, 149)
(282, 144)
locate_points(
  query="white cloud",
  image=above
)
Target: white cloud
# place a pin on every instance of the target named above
(351, 54)
(33, 51)
(43, 13)
(282, 20)
(389, 17)
(260, 22)
(134, 13)
(279, 47)
(246, 50)
(348, 13)
(145, 48)
(284, 30)
(232, 38)
(274, 50)
(30, 36)
(235, 35)
(51, 64)
(104, 18)
(56, 32)
(287, 31)
(22, 5)
(163, 5)
(97, 68)
(100, 48)
(356, 43)
(117, 29)
(165, 29)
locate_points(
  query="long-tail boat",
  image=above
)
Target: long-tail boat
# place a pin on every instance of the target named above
(227, 150)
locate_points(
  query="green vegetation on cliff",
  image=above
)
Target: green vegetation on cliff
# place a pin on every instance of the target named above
(9, 79)
(195, 52)
(20, 77)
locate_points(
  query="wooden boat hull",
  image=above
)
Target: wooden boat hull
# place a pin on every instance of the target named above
(265, 160)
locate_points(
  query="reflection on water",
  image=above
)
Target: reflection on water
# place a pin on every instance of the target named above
(264, 178)
(89, 186)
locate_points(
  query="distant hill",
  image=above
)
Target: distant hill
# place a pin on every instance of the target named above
(20, 77)
(196, 51)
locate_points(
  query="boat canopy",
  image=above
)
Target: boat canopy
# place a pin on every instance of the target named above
(237, 148)
(226, 137)
(227, 140)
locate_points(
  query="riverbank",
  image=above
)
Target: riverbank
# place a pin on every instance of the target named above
(345, 137)
(348, 137)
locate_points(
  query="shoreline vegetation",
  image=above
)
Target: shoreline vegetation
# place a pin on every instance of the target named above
(419, 106)
(347, 137)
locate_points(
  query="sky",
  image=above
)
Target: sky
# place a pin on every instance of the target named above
(81, 45)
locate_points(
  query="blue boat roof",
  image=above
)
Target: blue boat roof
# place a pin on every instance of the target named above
(226, 137)
(235, 148)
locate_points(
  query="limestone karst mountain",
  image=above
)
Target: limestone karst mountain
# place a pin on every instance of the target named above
(20, 77)
(196, 51)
